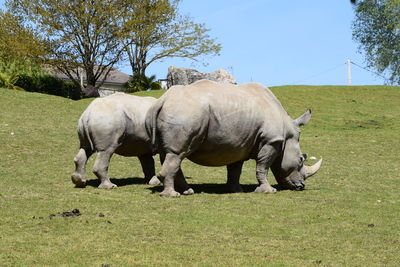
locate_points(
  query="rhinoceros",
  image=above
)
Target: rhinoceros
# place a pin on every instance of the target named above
(114, 124)
(215, 124)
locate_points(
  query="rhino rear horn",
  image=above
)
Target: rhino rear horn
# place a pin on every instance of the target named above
(303, 119)
(311, 170)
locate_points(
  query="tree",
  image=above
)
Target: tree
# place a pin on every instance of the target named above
(377, 30)
(159, 32)
(90, 36)
(84, 36)
(21, 52)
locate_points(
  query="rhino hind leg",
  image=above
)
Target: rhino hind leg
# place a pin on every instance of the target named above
(181, 184)
(234, 171)
(78, 177)
(148, 168)
(264, 160)
(100, 169)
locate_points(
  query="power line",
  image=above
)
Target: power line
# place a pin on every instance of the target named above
(319, 74)
(377, 74)
(336, 67)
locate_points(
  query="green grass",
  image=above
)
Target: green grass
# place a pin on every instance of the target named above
(347, 216)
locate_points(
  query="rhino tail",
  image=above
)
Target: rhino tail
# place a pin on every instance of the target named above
(151, 123)
(84, 135)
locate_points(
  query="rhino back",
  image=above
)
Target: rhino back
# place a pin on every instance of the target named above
(118, 120)
(224, 122)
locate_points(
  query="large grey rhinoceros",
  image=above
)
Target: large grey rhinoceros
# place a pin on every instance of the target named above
(113, 124)
(221, 124)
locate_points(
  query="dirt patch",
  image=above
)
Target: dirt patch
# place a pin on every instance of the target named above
(73, 213)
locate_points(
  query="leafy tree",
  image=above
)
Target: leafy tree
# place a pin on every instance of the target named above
(21, 52)
(140, 82)
(90, 36)
(159, 32)
(84, 36)
(377, 30)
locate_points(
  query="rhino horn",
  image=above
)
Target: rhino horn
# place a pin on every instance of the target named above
(311, 170)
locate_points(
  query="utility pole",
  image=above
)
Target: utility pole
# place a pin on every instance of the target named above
(348, 63)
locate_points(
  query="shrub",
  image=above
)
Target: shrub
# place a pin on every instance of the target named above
(72, 90)
(47, 84)
(9, 81)
(27, 82)
(140, 82)
(29, 76)
(50, 85)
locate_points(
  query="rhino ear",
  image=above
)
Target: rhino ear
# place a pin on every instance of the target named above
(303, 119)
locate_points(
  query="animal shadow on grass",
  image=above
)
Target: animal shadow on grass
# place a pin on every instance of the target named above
(212, 188)
(118, 181)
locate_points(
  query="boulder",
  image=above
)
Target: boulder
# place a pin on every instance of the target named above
(183, 76)
(90, 91)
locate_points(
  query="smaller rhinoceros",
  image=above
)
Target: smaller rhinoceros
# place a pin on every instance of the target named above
(114, 124)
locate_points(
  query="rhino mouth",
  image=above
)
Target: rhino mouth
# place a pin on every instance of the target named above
(298, 186)
(295, 186)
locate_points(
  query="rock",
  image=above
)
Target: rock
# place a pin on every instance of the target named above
(90, 91)
(183, 76)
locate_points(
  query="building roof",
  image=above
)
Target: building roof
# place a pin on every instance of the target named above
(114, 77)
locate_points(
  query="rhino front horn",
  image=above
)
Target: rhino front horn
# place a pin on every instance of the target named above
(311, 170)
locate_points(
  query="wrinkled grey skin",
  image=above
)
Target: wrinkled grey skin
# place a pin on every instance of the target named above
(219, 124)
(113, 124)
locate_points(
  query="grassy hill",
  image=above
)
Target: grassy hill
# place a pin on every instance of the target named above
(347, 216)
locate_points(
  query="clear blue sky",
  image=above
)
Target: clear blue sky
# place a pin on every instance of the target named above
(277, 42)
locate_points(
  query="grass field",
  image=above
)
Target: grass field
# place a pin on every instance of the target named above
(347, 216)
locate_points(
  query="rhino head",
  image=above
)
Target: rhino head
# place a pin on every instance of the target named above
(288, 168)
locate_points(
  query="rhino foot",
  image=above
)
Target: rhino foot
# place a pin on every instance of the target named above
(154, 181)
(190, 191)
(235, 188)
(265, 188)
(107, 185)
(169, 193)
(78, 180)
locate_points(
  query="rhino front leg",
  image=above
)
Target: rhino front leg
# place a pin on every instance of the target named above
(264, 160)
(169, 171)
(148, 168)
(234, 171)
(100, 169)
(78, 177)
